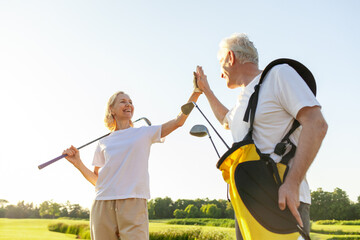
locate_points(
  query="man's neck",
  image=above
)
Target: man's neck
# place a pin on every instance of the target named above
(246, 73)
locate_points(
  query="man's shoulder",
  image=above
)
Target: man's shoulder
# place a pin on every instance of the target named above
(282, 73)
(280, 68)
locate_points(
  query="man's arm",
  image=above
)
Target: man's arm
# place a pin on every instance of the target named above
(314, 128)
(217, 107)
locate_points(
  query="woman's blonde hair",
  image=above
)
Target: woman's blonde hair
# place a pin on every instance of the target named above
(109, 119)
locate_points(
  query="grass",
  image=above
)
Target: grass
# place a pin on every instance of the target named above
(343, 229)
(32, 229)
(229, 223)
(37, 229)
(338, 231)
(162, 226)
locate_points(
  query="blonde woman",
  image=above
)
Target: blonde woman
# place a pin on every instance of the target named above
(120, 174)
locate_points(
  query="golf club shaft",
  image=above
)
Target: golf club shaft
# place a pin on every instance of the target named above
(41, 166)
(211, 125)
(214, 146)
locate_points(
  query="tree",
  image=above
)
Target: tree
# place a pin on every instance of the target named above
(75, 211)
(192, 211)
(49, 209)
(229, 210)
(320, 205)
(182, 203)
(3, 203)
(327, 205)
(210, 211)
(340, 207)
(151, 209)
(213, 211)
(179, 213)
(357, 209)
(163, 208)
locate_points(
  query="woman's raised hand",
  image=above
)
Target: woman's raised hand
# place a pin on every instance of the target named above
(201, 79)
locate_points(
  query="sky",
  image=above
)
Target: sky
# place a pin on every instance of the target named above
(60, 61)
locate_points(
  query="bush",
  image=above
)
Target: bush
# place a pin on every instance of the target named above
(225, 222)
(344, 238)
(188, 234)
(80, 230)
(337, 222)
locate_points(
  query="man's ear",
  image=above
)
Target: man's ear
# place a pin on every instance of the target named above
(231, 57)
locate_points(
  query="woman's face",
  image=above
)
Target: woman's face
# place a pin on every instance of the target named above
(123, 109)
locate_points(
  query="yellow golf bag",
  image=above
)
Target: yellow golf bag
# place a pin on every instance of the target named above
(254, 178)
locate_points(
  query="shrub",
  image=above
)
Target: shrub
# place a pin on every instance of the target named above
(80, 230)
(225, 222)
(337, 222)
(188, 234)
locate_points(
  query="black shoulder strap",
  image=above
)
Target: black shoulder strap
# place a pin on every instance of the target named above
(305, 74)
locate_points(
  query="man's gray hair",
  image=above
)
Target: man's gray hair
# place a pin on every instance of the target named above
(242, 47)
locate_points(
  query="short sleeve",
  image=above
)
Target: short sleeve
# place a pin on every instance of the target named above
(155, 134)
(293, 92)
(228, 119)
(99, 159)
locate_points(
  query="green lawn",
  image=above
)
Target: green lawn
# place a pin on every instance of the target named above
(160, 225)
(334, 228)
(32, 229)
(37, 229)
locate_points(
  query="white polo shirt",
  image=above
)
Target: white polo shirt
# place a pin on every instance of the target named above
(282, 94)
(123, 157)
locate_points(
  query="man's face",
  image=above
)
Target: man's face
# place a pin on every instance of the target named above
(226, 68)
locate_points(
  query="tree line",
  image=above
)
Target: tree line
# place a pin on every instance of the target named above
(333, 205)
(160, 208)
(47, 209)
(325, 206)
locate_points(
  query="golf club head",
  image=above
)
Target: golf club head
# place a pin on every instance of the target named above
(199, 131)
(187, 108)
(145, 119)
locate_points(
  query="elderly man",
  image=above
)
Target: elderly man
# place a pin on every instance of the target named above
(283, 97)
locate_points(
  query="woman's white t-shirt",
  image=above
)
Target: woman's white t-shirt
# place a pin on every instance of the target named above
(282, 94)
(123, 160)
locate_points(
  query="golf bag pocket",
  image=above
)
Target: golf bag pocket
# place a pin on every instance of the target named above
(254, 181)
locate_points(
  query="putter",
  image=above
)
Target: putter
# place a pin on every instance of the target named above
(202, 131)
(41, 166)
(188, 107)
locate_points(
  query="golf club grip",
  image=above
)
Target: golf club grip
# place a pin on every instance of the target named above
(41, 166)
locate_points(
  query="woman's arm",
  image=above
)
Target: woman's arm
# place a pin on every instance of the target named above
(73, 156)
(171, 125)
(217, 107)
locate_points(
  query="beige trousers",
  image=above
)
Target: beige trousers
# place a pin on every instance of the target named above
(125, 219)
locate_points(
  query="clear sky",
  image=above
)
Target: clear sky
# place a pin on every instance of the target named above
(60, 61)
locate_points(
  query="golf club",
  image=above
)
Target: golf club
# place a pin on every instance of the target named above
(188, 107)
(145, 119)
(41, 166)
(202, 131)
